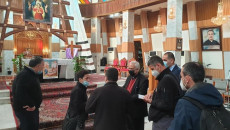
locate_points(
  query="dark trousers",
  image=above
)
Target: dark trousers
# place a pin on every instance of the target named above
(135, 123)
(163, 123)
(73, 123)
(139, 123)
(29, 120)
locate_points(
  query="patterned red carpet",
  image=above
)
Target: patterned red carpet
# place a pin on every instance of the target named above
(56, 100)
(52, 112)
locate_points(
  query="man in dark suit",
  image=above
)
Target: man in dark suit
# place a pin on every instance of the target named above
(169, 61)
(211, 40)
(137, 84)
(110, 103)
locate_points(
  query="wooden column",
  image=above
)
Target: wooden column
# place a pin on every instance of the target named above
(118, 30)
(104, 36)
(193, 34)
(163, 13)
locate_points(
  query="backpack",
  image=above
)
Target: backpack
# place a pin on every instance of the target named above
(212, 117)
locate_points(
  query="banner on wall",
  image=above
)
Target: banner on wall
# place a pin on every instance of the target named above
(68, 53)
(50, 70)
(39, 11)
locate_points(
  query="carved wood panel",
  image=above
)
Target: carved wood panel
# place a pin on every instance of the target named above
(34, 40)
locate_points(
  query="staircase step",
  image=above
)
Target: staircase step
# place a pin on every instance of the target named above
(64, 93)
(4, 93)
(56, 94)
(52, 89)
(4, 100)
(6, 117)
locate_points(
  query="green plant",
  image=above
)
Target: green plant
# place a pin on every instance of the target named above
(19, 64)
(79, 63)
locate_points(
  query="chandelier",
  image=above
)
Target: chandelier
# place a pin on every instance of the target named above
(220, 18)
(159, 27)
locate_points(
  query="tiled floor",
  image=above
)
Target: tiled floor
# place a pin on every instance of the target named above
(6, 117)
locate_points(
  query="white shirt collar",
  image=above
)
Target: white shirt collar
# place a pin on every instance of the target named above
(171, 68)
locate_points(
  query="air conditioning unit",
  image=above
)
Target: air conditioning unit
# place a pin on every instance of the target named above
(111, 55)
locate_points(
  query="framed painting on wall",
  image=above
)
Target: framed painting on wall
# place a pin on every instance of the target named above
(39, 11)
(211, 39)
(50, 70)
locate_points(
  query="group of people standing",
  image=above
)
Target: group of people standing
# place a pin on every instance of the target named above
(124, 108)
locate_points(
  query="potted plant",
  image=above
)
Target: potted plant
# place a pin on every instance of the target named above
(19, 64)
(79, 63)
(9, 71)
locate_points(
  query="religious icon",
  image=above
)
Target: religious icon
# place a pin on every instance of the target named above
(27, 53)
(50, 69)
(39, 11)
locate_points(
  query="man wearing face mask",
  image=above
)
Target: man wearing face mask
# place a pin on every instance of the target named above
(76, 115)
(27, 95)
(137, 84)
(165, 96)
(187, 115)
(169, 61)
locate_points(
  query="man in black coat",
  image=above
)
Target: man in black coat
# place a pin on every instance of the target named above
(137, 84)
(76, 115)
(27, 95)
(165, 96)
(110, 103)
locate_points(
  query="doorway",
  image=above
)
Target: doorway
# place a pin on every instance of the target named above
(138, 53)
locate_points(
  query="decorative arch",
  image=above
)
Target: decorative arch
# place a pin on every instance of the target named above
(33, 41)
(33, 29)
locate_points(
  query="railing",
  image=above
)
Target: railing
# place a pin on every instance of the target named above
(114, 6)
(90, 1)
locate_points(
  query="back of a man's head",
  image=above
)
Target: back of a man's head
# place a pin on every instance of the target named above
(195, 70)
(170, 55)
(81, 74)
(35, 61)
(112, 74)
(154, 60)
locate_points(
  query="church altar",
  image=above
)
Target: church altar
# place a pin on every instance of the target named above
(66, 70)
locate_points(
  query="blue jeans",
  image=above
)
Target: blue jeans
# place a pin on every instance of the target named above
(29, 120)
(163, 123)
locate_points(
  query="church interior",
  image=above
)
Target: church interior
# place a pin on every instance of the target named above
(103, 34)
